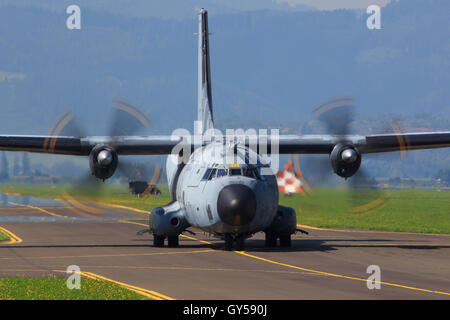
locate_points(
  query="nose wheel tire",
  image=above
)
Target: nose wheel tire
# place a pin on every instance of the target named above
(240, 242)
(228, 242)
(271, 240)
(285, 241)
(158, 241)
(172, 242)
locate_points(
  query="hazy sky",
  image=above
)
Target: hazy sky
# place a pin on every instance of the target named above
(337, 4)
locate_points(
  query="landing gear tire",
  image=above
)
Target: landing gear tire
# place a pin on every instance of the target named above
(158, 241)
(240, 243)
(172, 242)
(285, 241)
(228, 242)
(271, 240)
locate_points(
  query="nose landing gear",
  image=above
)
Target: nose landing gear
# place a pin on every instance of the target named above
(239, 241)
(158, 241)
(172, 242)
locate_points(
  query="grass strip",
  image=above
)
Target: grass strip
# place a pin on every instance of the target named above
(55, 288)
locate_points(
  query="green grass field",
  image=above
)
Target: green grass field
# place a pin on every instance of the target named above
(3, 237)
(112, 193)
(53, 288)
(398, 210)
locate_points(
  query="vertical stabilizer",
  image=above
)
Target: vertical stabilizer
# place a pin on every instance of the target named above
(205, 111)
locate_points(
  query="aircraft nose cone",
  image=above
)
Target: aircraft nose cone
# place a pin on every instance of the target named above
(236, 204)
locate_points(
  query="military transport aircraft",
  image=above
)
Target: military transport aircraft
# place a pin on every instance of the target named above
(231, 199)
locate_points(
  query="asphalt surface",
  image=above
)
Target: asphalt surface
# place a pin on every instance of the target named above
(326, 264)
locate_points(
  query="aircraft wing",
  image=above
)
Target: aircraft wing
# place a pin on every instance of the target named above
(133, 145)
(405, 141)
(160, 145)
(324, 144)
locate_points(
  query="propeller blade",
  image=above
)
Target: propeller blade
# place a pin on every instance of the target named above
(317, 169)
(127, 168)
(151, 184)
(64, 125)
(161, 179)
(127, 118)
(87, 186)
(396, 127)
(366, 196)
(337, 115)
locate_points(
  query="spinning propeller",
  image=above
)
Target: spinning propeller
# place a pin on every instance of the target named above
(337, 115)
(127, 119)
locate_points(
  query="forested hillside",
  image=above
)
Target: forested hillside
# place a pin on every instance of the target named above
(269, 67)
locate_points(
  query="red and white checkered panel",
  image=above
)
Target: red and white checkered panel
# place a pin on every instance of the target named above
(288, 182)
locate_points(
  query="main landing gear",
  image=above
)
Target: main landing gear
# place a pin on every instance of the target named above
(271, 240)
(158, 241)
(239, 241)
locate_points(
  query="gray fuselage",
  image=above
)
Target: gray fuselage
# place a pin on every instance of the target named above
(220, 193)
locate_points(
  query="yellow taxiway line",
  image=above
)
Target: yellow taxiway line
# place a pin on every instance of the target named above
(133, 222)
(110, 255)
(155, 295)
(371, 231)
(12, 237)
(112, 205)
(147, 293)
(320, 272)
(37, 208)
(124, 207)
(338, 275)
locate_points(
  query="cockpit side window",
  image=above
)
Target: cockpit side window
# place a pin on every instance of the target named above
(213, 174)
(249, 173)
(207, 173)
(252, 173)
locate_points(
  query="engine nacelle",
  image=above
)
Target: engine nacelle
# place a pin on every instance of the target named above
(284, 223)
(168, 220)
(103, 161)
(345, 160)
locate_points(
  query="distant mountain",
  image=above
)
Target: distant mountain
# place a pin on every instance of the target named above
(268, 66)
(265, 64)
(161, 9)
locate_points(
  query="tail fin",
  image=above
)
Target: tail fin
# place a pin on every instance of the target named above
(205, 111)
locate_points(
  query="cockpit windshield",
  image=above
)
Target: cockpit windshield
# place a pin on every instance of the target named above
(213, 173)
(222, 173)
(235, 172)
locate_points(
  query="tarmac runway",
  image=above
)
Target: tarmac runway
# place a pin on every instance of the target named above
(326, 264)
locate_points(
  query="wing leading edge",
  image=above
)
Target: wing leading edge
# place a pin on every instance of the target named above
(287, 144)
(133, 145)
(317, 144)
(406, 141)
